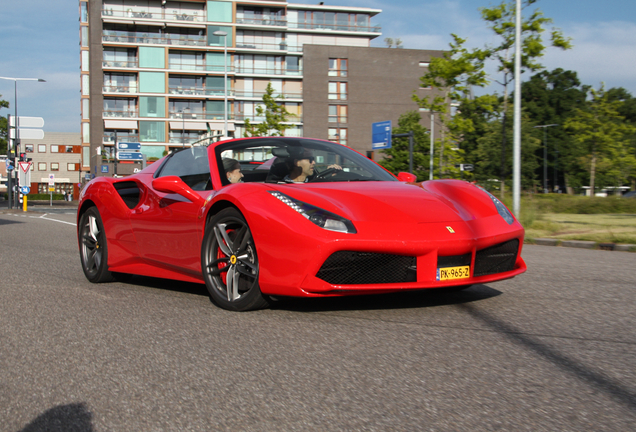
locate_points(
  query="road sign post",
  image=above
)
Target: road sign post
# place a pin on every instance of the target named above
(381, 135)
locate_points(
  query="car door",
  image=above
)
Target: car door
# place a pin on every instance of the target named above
(167, 226)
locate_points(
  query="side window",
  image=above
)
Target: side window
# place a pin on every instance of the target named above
(192, 166)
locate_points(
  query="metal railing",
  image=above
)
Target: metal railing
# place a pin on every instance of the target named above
(271, 21)
(199, 91)
(120, 88)
(200, 115)
(259, 94)
(120, 113)
(338, 27)
(281, 46)
(173, 15)
(109, 138)
(156, 39)
(267, 71)
(119, 64)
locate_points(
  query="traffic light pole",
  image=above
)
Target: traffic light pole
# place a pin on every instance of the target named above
(9, 173)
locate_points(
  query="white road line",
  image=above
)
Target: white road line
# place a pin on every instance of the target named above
(54, 220)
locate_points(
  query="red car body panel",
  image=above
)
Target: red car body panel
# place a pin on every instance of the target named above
(161, 235)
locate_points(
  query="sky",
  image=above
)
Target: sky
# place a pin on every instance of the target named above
(40, 39)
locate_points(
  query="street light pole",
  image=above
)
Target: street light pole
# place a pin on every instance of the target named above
(545, 156)
(224, 34)
(17, 132)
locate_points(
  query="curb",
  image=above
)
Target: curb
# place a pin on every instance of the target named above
(581, 244)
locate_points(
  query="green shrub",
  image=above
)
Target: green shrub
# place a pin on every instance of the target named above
(562, 203)
(45, 197)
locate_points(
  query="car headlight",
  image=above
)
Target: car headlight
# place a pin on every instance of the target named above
(501, 208)
(318, 216)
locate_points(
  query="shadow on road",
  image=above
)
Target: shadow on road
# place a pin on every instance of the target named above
(398, 300)
(595, 379)
(64, 418)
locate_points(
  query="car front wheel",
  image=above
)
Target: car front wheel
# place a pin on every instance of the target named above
(93, 247)
(230, 263)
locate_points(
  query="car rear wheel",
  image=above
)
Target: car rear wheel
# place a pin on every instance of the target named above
(230, 263)
(93, 247)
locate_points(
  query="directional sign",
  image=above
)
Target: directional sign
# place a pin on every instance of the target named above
(129, 156)
(129, 146)
(381, 135)
(465, 167)
(28, 134)
(28, 122)
(9, 164)
(25, 190)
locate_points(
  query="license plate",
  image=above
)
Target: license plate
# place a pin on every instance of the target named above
(451, 273)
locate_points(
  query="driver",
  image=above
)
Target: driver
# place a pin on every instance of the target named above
(302, 167)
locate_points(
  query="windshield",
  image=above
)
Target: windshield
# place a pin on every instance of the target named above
(296, 160)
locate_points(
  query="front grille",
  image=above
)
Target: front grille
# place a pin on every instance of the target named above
(454, 260)
(347, 267)
(496, 259)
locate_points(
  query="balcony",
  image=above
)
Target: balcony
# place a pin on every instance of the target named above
(293, 118)
(120, 88)
(200, 115)
(259, 94)
(163, 15)
(110, 113)
(241, 69)
(199, 91)
(109, 138)
(119, 64)
(110, 36)
(281, 46)
(314, 25)
(264, 21)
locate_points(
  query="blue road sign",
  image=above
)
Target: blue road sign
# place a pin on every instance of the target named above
(25, 189)
(129, 156)
(381, 135)
(129, 146)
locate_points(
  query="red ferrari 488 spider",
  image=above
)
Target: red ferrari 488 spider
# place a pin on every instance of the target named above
(259, 217)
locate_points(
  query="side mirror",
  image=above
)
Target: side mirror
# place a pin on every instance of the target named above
(407, 177)
(173, 184)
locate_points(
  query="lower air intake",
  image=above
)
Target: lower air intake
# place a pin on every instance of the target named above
(496, 259)
(357, 268)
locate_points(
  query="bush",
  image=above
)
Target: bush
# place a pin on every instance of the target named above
(45, 197)
(561, 203)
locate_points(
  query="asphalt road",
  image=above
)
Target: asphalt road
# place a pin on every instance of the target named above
(551, 350)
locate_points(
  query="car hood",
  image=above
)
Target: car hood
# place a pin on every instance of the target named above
(376, 201)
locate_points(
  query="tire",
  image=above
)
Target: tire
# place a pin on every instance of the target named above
(230, 263)
(93, 247)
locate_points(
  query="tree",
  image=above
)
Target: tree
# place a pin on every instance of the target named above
(453, 75)
(551, 97)
(274, 114)
(501, 20)
(398, 155)
(3, 128)
(603, 134)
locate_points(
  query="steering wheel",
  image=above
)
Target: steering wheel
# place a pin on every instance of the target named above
(325, 173)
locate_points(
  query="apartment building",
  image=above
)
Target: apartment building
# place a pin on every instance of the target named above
(170, 73)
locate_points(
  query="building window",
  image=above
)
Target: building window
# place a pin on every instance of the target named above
(337, 90)
(41, 166)
(338, 135)
(337, 113)
(338, 67)
(72, 167)
(41, 148)
(28, 148)
(424, 64)
(55, 166)
(55, 148)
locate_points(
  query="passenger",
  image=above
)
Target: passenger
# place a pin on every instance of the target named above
(232, 169)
